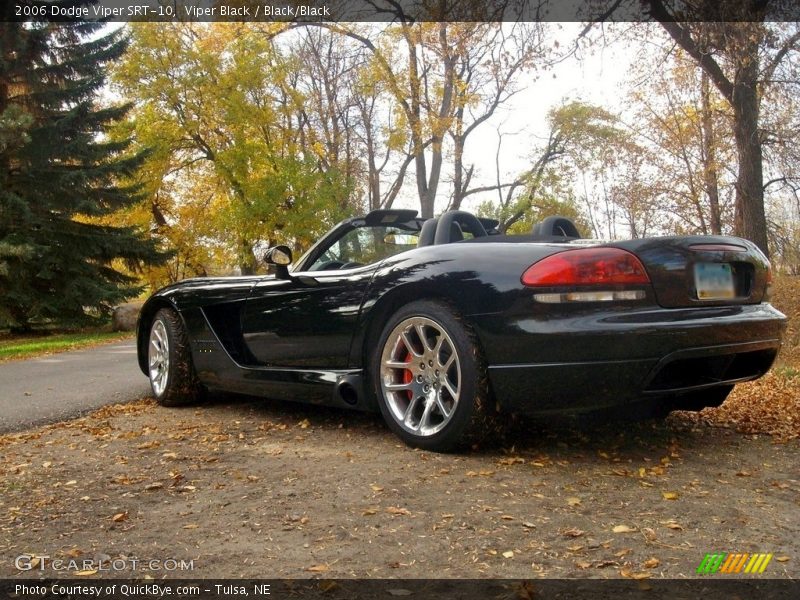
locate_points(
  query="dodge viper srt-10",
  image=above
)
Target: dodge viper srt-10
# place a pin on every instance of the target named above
(442, 324)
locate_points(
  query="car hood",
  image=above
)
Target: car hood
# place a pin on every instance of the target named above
(204, 291)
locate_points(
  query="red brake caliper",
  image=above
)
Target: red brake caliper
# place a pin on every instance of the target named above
(408, 376)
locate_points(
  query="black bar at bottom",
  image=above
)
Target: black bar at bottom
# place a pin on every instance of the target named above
(708, 588)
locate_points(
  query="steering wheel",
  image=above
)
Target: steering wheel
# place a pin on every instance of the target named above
(328, 266)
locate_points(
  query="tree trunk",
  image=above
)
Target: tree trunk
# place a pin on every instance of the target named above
(710, 175)
(247, 259)
(750, 221)
(373, 174)
(458, 171)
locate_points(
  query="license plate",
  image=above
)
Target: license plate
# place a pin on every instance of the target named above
(713, 281)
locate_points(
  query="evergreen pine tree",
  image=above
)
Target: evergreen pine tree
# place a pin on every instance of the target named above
(56, 169)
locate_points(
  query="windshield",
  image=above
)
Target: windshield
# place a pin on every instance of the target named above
(365, 245)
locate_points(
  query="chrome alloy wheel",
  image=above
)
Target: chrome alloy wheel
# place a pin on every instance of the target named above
(420, 376)
(158, 357)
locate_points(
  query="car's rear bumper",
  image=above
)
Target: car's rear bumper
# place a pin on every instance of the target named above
(598, 360)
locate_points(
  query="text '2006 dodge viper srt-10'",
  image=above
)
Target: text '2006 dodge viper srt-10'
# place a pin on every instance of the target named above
(441, 323)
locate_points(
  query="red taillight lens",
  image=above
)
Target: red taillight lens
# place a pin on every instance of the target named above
(768, 289)
(586, 266)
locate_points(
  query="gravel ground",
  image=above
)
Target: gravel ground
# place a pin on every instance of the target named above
(249, 488)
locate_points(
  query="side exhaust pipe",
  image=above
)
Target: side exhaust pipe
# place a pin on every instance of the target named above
(349, 390)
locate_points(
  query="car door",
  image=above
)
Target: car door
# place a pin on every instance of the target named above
(307, 321)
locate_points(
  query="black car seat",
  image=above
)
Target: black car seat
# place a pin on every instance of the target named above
(556, 227)
(463, 221)
(456, 233)
(427, 233)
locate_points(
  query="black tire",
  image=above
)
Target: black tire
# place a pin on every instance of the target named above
(470, 415)
(175, 384)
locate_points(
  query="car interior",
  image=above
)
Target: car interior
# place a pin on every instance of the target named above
(388, 232)
(457, 226)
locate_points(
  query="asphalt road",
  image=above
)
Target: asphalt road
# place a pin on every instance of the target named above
(68, 384)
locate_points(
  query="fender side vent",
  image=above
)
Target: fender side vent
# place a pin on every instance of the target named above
(226, 323)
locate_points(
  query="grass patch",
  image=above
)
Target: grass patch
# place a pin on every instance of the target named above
(788, 372)
(27, 347)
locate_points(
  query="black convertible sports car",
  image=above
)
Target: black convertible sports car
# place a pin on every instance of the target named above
(441, 323)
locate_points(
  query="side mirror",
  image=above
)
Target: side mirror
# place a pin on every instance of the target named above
(281, 257)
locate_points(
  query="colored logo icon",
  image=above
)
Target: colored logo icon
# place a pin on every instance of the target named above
(724, 562)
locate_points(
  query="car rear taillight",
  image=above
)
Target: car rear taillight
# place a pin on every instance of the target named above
(587, 266)
(594, 267)
(768, 290)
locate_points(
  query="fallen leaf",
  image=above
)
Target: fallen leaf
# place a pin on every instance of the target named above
(304, 424)
(85, 573)
(119, 517)
(632, 575)
(153, 486)
(672, 525)
(397, 510)
(573, 532)
(575, 547)
(71, 482)
(376, 488)
(318, 568)
(651, 563)
(670, 495)
(191, 526)
(782, 558)
(508, 554)
(507, 518)
(583, 564)
(623, 529)
(369, 511)
(529, 525)
(573, 501)
(511, 460)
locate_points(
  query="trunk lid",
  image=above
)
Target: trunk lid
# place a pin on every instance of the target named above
(702, 270)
